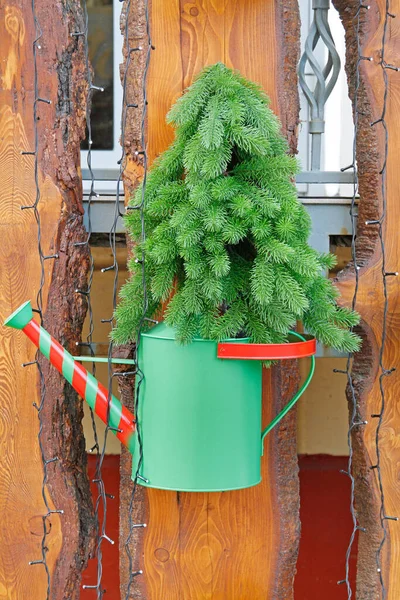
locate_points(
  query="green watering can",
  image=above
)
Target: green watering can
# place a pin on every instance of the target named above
(199, 408)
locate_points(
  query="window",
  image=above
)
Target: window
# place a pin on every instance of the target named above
(105, 42)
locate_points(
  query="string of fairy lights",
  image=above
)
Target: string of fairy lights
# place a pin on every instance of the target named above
(101, 500)
(384, 370)
(140, 104)
(140, 155)
(37, 99)
(356, 420)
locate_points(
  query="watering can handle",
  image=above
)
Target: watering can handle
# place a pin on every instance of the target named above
(295, 398)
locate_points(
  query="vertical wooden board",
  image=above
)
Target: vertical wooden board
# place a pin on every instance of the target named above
(203, 26)
(161, 556)
(223, 545)
(371, 306)
(20, 467)
(250, 48)
(165, 73)
(370, 298)
(61, 125)
(243, 544)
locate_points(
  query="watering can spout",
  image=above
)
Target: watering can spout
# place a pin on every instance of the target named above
(20, 317)
(106, 406)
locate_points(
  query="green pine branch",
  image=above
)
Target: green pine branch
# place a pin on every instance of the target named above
(226, 237)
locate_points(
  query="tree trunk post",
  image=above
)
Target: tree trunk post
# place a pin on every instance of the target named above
(370, 298)
(61, 125)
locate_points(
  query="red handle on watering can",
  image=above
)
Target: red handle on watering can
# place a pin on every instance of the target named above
(298, 349)
(307, 346)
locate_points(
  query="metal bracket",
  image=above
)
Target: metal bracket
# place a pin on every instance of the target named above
(325, 177)
(103, 359)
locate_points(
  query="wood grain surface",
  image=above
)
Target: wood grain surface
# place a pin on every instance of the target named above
(60, 126)
(233, 545)
(370, 300)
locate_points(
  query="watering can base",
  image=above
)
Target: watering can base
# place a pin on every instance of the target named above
(183, 489)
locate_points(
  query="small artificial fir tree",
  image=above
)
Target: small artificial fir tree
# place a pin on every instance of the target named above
(226, 237)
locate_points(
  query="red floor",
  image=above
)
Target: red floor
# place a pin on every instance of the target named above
(326, 528)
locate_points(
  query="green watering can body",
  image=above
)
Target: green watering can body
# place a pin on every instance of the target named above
(199, 416)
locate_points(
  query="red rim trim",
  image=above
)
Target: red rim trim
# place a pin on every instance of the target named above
(268, 351)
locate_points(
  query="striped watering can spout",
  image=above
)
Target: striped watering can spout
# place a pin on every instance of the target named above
(106, 406)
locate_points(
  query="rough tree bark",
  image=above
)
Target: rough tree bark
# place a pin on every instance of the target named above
(61, 74)
(370, 302)
(227, 545)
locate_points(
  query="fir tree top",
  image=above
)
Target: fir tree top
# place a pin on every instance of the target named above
(226, 237)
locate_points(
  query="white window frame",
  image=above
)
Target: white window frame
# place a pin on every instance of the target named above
(108, 159)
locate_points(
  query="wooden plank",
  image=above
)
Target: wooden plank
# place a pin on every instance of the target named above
(250, 49)
(370, 300)
(61, 126)
(243, 544)
(203, 41)
(165, 80)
